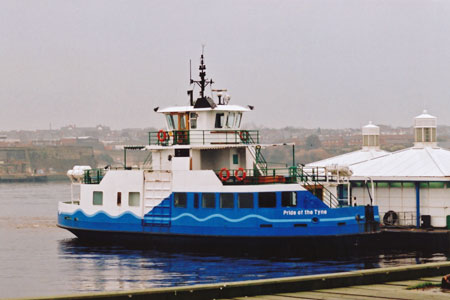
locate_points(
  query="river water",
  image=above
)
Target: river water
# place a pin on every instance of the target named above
(39, 259)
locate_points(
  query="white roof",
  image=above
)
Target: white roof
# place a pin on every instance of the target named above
(219, 107)
(424, 163)
(350, 158)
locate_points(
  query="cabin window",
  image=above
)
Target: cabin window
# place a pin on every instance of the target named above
(267, 199)
(119, 198)
(134, 198)
(288, 199)
(181, 152)
(219, 120)
(235, 159)
(180, 200)
(195, 200)
(170, 122)
(97, 198)
(238, 120)
(208, 200)
(193, 120)
(230, 119)
(245, 200)
(226, 200)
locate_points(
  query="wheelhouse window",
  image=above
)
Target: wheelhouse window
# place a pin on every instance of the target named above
(226, 200)
(170, 122)
(134, 198)
(267, 200)
(245, 200)
(288, 199)
(182, 122)
(208, 200)
(180, 200)
(238, 120)
(97, 198)
(230, 120)
(219, 120)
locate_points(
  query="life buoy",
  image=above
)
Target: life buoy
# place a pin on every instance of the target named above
(390, 218)
(244, 135)
(241, 176)
(226, 176)
(162, 135)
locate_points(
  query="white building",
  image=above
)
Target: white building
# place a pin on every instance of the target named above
(411, 185)
(337, 169)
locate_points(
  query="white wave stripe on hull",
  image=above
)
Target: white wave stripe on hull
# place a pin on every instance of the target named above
(257, 217)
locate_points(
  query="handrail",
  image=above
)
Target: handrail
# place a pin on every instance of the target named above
(254, 176)
(315, 178)
(203, 137)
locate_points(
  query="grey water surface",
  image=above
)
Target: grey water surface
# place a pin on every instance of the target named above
(39, 259)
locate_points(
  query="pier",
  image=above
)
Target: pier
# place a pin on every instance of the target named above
(408, 282)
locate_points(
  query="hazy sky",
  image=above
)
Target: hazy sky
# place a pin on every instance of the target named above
(329, 64)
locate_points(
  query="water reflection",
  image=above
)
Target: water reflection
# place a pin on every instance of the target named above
(106, 268)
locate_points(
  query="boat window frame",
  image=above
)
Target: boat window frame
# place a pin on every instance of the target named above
(292, 202)
(230, 119)
(238, 120)
(219, 120)
(241, 199)
(180, 200)
(222, 202)
(206, 202)
(170, 122)
(264, 202)
(100, 193)
(132, 198)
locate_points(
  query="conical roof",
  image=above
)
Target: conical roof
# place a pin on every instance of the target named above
(349, 159)
(427, 163)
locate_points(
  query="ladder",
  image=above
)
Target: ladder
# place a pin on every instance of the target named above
(157, 190)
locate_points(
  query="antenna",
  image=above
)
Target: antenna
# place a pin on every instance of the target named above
(203, 82)
(190, 72)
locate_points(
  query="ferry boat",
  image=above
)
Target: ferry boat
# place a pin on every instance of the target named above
(206, 185)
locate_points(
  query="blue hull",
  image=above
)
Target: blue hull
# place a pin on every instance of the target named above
(310, 225)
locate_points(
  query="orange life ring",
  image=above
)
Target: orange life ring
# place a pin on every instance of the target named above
(162, 135)
(240, 177)
(244, 135)
(226, 176)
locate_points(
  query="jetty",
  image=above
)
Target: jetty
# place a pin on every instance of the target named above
(406, 282)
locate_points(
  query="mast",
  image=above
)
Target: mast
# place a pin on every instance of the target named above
(203, 82)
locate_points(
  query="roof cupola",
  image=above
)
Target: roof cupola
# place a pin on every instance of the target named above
(371, 136)
(425, 130)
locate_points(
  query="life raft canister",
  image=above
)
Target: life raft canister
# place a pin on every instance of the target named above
(240, 174)
(162, 135)
(224, 174)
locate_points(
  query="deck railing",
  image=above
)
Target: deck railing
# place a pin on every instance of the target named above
(254, 176)
(93, 176)
(203, 137)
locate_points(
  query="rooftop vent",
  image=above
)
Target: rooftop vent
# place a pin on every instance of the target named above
(371, 136)
(425, 130)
